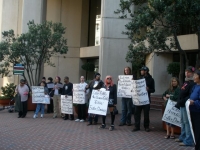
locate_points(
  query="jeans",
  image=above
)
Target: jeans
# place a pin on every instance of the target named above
(40, 106)
(126, 110)
(138, 110)
(186, 135)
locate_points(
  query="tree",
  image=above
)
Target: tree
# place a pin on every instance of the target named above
(32, 49)
(156, 24)
(88, 67)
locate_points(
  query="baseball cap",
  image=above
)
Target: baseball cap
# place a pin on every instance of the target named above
(145, 68)
(190, 69)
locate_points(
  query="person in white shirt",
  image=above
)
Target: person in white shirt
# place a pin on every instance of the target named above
(82, 107)
(23, 90)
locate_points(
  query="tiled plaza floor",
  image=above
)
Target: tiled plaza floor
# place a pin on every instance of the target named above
(56, 134)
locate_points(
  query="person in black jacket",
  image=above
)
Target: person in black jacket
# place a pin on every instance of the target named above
(56, 94)
(109, 86)
(186, 136)
(67, 91)
(150, 87)
(50, 106)
(94, 85)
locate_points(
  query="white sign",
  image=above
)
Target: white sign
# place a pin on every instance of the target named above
(187, 106)
(37, 89)
(139, 92)
(172, 114)
(66, 104)
(99, 102)
(38, 95)
(124, 86)
(79, 93)
(50, 85)
(59, 85)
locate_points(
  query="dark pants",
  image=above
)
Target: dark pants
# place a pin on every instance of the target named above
(50, 106)
(127, 105)
(24, 108)
(138, 110)
(195, 118)
(82, 111)
(71, 116)
(93, 117)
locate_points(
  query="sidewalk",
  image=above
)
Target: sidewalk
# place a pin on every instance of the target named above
(56, 134)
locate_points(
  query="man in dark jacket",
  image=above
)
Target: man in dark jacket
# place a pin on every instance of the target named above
(94, 85)
(186, 136)
(50, 106)
(150, 87)
(67, 91)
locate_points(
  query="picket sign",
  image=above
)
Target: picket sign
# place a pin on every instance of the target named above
(124, 86)
(38, 95)
(66, 104)
(79, 93)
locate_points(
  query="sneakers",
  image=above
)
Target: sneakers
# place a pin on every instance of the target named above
(77, 120)
(102, 126)
(111, 128)
(177, 140)
(82, 120)
(182, 144)
(42, 116)
(34, 116)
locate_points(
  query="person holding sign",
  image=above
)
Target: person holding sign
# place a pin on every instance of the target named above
(172, 93)
(50, 86)
(67, 91)
(94, 85)
(186, 136)
(110, 86)
(40, 106)
(127, 105)
(82, 107)
(195, 109)
(146, 108)
(57, 91)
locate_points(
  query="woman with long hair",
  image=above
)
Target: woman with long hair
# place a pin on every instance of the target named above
(171, 93)
(110, 86)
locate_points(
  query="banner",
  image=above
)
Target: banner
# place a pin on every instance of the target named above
(38, 95)
(139, 92)
(66, 104)
(172, 114)
(187, 106)
(124, 86)
(79, 93)
(99, 102)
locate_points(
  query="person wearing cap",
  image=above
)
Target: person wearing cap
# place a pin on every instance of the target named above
(186, 136)
(50, 106)
(95, 84)
(57, 91)
(150, 87)
(21, 105)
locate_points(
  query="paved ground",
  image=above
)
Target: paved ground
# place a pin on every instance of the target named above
(57, 134)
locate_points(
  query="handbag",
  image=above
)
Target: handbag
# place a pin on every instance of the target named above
(115, 111)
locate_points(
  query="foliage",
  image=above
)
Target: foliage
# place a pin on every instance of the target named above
(8, 91)
(32, 49)
(174, 69)
(88, 67)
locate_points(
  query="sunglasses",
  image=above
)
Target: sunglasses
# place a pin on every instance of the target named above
(108, 78)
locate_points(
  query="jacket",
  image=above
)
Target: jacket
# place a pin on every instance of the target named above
(67, 89)
(113, 93)
(51, 93)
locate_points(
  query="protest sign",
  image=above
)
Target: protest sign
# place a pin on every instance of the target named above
(66, 104)
(50, 85)
(187, 105)
(99, 102)
(38, 95)
(172, 114)
(139, 92)
(79, 93)
(124, 86)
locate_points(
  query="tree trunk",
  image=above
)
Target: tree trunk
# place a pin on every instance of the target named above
(181, 73)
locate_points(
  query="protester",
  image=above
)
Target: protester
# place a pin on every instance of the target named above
(50, 106)
(22, 91)
(171, 93)
(57, 91)
(82, 107)
(150, 87)
(94, 85)
(186, 137)
(40, 106)
(127, 105)
(110, 86)
(43, 80)
(67, 91)
(195, 109)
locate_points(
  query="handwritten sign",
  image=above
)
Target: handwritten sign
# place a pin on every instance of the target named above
(139, 92)
(38, 95)
(99, 102)
(50, 85)
(187, 106)
(66, 104)
(79, 93)
(59, 85)
(172, 114)
(124, 86)
(37, 89)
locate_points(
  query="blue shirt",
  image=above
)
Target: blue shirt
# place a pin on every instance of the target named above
(195, 96)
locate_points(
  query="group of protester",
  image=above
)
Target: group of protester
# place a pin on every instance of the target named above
(190, 90)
